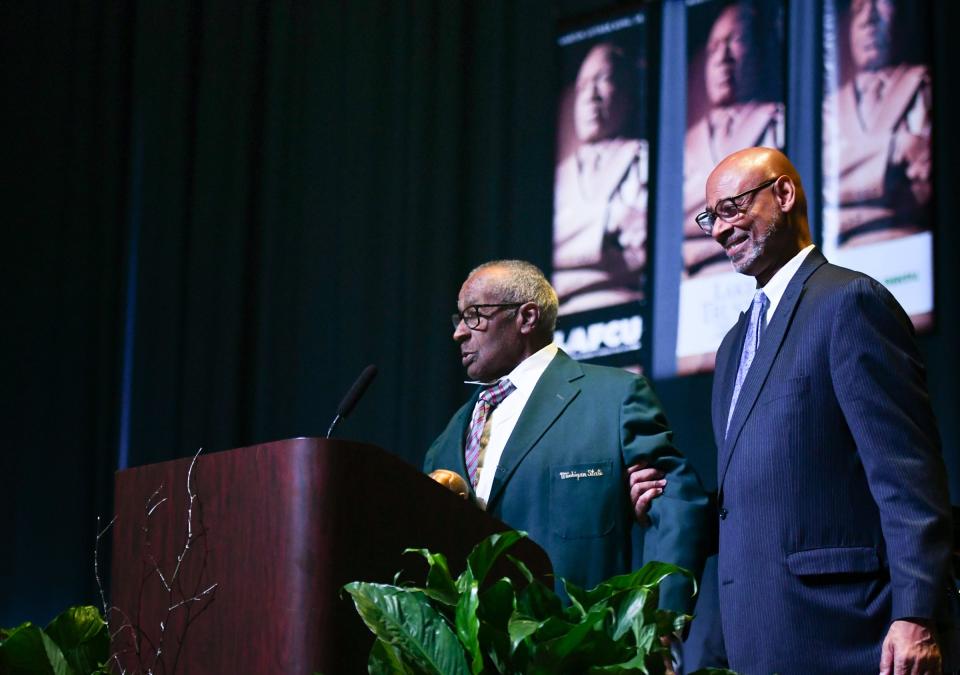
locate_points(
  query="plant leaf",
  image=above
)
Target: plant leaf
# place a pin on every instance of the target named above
(58, 662)
(620, 592)
(384, 660)
(522, 566)
(7, 632)
(539, 602)
(499, 654)
(645, 635)
(552, 629)
(82, 636)
(598, 649)
(30, 651)
(406, 620)
(485, 554)
(669, 621)
(452, 626)
(579, 602)
(495, 643)
(637, 663)
(654, 572)
(520, 628)
(629, 611)
(467, 621)
(497, 603)
(440, 585)
(649, 576)
(565, 645)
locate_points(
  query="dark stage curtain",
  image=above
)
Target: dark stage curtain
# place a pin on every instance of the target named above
(65, 82)
(224, 211)
(316, 179)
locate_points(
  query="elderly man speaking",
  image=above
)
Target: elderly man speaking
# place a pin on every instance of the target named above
(569, 452)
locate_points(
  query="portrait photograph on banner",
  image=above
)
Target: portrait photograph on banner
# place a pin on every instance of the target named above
(601, 218)
(877, 159)
(736, 92)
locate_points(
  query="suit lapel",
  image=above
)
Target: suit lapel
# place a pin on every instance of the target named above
(728, 378)
(553, 393)
(463, 424)
(763, 361)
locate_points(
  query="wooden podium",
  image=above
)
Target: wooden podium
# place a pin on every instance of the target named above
(278, 529)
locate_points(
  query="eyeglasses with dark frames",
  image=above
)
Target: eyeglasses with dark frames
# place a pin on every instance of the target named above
(729, 208)
(472, 315)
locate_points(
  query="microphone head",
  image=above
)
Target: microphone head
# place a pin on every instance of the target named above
(357, 390)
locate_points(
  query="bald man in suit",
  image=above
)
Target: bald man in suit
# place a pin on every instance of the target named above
(835, 526)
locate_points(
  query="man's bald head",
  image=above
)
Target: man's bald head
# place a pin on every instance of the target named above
(761, 163)
(771, 223)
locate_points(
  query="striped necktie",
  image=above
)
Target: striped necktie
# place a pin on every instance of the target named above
(489, 399)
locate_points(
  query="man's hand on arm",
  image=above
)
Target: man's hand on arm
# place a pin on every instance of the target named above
(910, 648)
(645, 484)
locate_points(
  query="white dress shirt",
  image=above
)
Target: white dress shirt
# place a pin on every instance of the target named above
(778, 282)
(504, 417)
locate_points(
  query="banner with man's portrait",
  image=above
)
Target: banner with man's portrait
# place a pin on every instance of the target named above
(601, 218)
(877, 159)
(736, 88)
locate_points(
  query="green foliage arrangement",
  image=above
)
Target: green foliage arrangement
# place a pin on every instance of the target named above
(465, 626)
(77, 642)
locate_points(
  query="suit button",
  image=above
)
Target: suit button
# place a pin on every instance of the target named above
(723, 513)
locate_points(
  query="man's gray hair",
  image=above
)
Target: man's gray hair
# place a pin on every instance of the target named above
(525, 282)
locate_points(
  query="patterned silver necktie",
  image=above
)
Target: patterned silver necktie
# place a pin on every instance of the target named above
(758, 319)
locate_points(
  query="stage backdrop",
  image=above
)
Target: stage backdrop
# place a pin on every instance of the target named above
(736, 93)
(217, 214)
(878, 208)
(601, 192)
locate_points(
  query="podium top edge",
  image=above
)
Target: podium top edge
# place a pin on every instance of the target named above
(286, 444)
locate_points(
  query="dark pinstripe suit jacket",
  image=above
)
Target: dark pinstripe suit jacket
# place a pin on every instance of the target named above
(832, 492)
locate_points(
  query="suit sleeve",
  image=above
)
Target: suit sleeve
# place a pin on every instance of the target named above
(880, 384)
(430, 459)
(443, 452)
(680, 514)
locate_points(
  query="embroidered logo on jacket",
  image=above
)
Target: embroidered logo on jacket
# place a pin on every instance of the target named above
(589, 473)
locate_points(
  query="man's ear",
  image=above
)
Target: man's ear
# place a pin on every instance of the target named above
(785, 192)
(529, 316)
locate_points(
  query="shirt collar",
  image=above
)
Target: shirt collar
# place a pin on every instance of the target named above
(525, 376)
(777, 285)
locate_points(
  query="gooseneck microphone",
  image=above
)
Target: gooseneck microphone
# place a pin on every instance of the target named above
(350, 400)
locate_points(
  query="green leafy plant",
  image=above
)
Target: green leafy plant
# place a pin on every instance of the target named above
(466, 626)
(77, 642)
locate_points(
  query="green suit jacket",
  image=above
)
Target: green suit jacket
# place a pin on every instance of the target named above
(562, 476)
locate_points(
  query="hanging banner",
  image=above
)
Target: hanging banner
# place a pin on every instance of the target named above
(601, 218)
(877, 130)
(736, 88)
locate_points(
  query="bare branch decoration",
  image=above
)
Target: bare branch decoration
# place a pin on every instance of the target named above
(133, 652)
